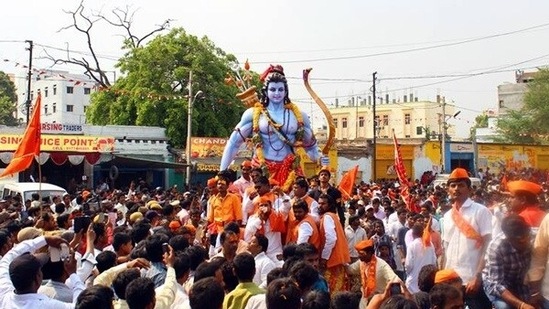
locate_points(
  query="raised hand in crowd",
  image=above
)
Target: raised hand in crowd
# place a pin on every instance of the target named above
(139, 263)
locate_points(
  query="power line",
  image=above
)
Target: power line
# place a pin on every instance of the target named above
(411, 49)
(357, 48)
(12, 41)
(473, 74)
(108, 57)
(459, 76)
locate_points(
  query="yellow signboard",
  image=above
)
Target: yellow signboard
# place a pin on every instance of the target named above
(207, 147)
(67, 143)
(387, 152)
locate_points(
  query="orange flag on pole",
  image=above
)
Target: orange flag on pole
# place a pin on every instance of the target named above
(503, 183)
(347, 183)
(29, 145)
(401, 174)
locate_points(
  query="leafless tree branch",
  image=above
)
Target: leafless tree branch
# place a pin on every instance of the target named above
(84, 23)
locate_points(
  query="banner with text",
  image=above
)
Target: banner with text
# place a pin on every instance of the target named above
(67, 143)
(204, 147)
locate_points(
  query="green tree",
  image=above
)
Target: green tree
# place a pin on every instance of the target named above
(481, 121)
(153, 91)
(8, 100)
(516, 128)
(529, 124)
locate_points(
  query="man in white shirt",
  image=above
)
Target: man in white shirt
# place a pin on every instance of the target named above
(354, 234)
(269, 221)
(249, 194)
(466, 235)
(21, 276)
(182, 266)
(418, 254)
(379, 211)
(300, 189)
(303, 229)
(393, 232)
(263, 264)
(426, 209)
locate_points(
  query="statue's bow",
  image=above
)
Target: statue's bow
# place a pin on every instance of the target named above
(324, 108)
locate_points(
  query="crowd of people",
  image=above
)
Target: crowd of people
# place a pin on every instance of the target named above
(247, 243)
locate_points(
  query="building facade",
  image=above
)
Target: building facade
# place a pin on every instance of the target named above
(408, 119)
(511, 96)
(65, 96)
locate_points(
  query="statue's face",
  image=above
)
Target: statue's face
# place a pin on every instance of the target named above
(276, 92)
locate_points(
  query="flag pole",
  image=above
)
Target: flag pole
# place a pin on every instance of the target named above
(40, 185)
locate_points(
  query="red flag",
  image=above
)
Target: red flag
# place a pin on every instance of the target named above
(401, 173)
(347, 183)
(29, 145)
(399, 164)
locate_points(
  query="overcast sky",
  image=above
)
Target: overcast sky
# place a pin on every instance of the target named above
(341, 40)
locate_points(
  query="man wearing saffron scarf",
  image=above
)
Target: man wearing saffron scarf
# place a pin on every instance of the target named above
(467, 232)
(333, 243)
(269, 220)
(374, 272)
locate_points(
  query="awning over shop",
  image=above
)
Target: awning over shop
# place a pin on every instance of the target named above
(146, 162)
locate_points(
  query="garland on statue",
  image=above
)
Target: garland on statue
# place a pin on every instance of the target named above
(257, 140)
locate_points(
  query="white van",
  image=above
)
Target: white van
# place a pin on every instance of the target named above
(442, 179)
(26, 189)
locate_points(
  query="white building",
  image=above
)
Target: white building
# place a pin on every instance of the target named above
(408, 119)
(65, 96)
(511, 96)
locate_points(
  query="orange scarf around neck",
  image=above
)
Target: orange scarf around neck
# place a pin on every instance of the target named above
(368, 277)
(426, 237)
(465, 227)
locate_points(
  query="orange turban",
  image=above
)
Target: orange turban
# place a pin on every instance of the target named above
(458, 173)
(247, 163)
(445, 275)
(211, 182)
(174, 225)
(85, 194)
(261, 200)
(525, 186)
(364, 244)
(190, 228)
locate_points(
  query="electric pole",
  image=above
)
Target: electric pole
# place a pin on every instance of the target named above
(189, 130)
(29, 79)
(444, 132)
(374, 127)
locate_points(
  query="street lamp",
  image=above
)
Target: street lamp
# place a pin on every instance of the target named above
(189, 127)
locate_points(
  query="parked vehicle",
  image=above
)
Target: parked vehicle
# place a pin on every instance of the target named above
(442, 179)
(26, 189)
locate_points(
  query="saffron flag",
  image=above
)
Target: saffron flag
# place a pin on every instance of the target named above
(347, 183)
(399, 164)
(503, 183)
(401, 174)
(29, 145)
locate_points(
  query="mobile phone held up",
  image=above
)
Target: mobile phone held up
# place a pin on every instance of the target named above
(395, 288)
(165, 248)
(81, 223)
